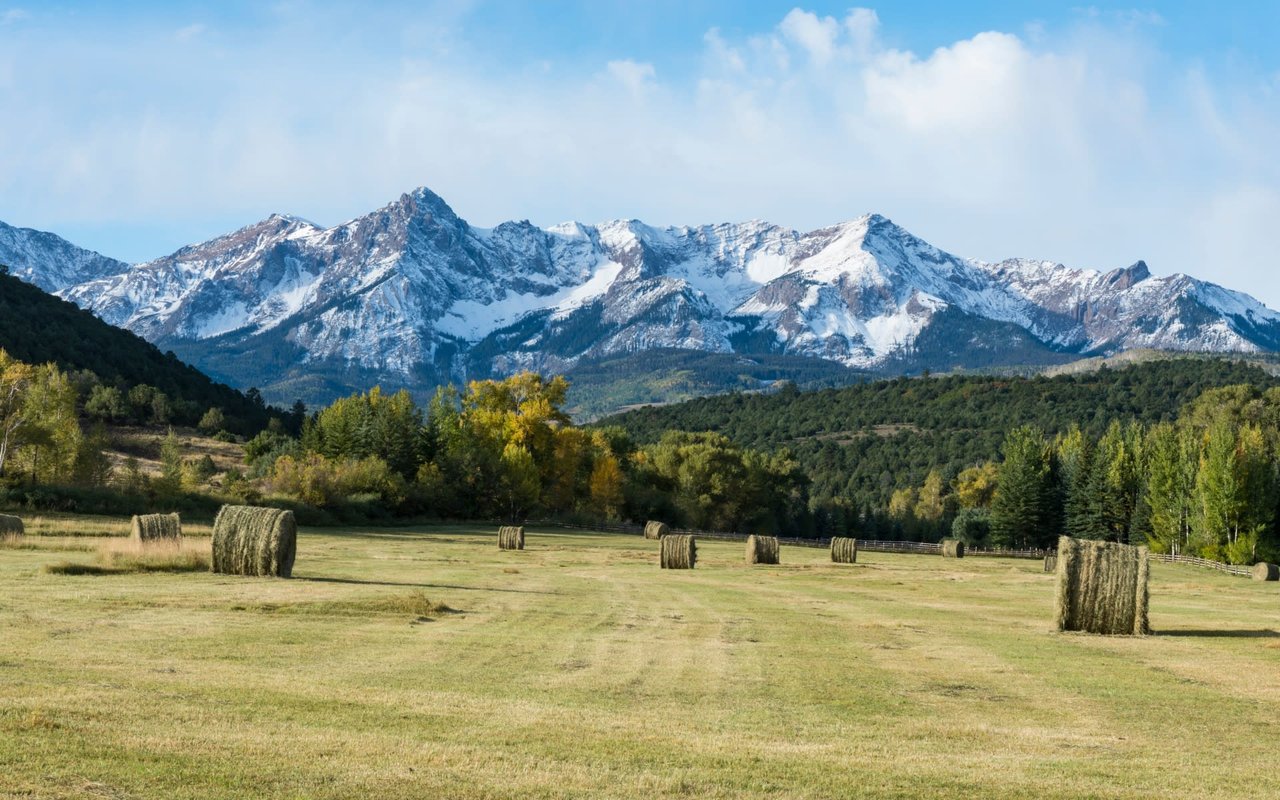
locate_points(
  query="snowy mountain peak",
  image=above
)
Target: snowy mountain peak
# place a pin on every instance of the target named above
(51, 262)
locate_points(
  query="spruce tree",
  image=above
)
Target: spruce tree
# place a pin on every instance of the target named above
(1021, 503)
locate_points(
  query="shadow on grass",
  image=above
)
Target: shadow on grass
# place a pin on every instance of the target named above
(1263, 633)
(358, 582)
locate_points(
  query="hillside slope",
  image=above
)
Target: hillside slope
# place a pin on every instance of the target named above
(37, 327)
(864, 441)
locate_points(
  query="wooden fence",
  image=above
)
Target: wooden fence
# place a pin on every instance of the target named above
(867, 545)
(883, 546)
(1230, 569)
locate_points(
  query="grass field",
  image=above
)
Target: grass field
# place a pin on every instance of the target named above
(577, 668)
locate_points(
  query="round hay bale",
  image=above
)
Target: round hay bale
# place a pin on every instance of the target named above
(678, 551)
(511, 537)
(249, 540)
(656, 530)
(952, 548)
(762, 549)
(1102, 587)
(152, 527)
(10, 524)
(844, 550)
(1051, 562)
(1262, 571)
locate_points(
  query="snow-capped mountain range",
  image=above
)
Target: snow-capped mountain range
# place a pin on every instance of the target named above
(413, 295)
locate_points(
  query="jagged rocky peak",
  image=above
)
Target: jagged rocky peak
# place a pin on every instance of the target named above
(1125, 278)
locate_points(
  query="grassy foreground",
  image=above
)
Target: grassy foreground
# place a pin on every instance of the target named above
(577, 668)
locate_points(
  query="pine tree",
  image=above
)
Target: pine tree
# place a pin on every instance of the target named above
(1020, 506)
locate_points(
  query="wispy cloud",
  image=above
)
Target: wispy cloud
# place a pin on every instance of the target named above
(189, 32)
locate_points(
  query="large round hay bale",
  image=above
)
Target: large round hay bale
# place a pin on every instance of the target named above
(10, 524)
(952, 548)
(249, 540)
(655, 530)
(1262, 571)
(844, 550)
(153, 527)
(1051, 562)
(762, 549)
(511, 537)
(1102, 587)
(678, 551)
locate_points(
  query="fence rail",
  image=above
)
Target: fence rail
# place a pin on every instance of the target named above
(867, 545)
(1230, 569)
(882, 546)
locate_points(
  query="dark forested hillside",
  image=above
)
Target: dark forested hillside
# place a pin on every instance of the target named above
(862, 442)
(37, 328)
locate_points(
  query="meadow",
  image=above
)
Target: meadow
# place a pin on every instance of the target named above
(424, 662)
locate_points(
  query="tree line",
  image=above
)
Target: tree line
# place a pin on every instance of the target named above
(1206, 483)
(506, 449)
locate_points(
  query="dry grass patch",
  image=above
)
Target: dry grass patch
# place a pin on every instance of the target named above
(415, 604)
(118, 557)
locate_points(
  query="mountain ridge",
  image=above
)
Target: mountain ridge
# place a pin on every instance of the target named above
(413, 295)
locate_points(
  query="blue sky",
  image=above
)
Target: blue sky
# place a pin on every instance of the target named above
(1094, 135)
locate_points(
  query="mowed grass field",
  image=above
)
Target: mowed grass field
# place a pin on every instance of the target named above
(577, 668)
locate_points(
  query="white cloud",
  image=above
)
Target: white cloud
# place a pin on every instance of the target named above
(631, 74)
(817, 35)
(864, 26)
(12, 15)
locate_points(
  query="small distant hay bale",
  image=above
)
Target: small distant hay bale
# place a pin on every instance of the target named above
(1262, 571)
(952, 548)
(153, 527)
(1102, 587)
(1051, 562)
(762, 549)
(656, 530)
(678, 551)
(249, 540)
(11, 525)
(511, 537)
(844, 550)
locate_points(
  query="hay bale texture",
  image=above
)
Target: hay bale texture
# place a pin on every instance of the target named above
(1051, 562)
(10, 524)
(153, 527)
(762, 549)
(1102, 587)
(248, 540)
(844, 550)
(511, 537)
(655, 530)
(678, 551)
(1262, 571)
(952, 548)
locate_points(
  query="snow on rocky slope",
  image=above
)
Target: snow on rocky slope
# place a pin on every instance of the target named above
(51, 262)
